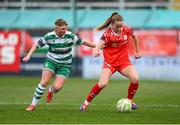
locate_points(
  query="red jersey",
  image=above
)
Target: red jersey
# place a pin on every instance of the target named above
(116, 45)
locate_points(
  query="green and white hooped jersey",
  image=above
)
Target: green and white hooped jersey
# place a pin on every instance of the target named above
(60, 48)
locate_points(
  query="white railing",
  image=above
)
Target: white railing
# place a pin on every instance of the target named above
(118, 5)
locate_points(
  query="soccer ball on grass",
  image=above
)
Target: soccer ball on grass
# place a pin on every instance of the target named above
(124, 105)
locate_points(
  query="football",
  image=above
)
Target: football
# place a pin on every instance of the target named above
(124, 105)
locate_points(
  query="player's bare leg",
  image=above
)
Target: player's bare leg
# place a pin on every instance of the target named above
(104, 79)
(45, 78)
(57, 85)
(131, 73)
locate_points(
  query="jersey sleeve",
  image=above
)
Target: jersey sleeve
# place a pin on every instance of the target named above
(77, 40)
(129, 30)
(42, 42)
(104, 37)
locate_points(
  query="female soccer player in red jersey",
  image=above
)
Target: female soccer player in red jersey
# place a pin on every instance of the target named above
(114, 43)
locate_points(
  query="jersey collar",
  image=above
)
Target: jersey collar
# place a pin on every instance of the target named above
(59, 36)
(116, 33)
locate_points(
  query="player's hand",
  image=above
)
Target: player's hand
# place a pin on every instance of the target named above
(26, 58)
(96, 53)
(138, 55)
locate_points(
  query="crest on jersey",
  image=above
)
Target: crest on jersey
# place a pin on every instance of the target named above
(125, 37)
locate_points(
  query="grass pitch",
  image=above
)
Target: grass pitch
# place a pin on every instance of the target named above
(158, 103)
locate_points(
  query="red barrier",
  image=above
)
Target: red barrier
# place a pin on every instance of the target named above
(86, 35)
(10, 44)
(157, 42)
(152, 42)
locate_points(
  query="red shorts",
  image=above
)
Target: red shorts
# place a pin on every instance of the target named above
(116, 68)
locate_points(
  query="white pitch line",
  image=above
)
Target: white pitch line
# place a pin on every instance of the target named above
(26, 103)
(162, 105)
(107, 105)
(68, 104)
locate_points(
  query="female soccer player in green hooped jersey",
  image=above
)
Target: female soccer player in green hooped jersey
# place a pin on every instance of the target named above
(58, 62)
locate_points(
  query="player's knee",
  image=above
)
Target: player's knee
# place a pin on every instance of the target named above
(134, 79)
(103, 84)
(44, 82)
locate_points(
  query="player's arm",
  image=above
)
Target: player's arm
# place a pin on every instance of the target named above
(99, 46)
(137, 46)
(31, 51)
(79, 41)
(88, 43)
(40, 43)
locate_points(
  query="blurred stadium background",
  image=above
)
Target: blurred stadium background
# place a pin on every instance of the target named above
(157, 23)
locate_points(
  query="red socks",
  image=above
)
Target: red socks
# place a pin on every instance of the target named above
(132, 89)
(94, 91)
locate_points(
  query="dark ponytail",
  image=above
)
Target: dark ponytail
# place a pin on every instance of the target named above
(110, 20)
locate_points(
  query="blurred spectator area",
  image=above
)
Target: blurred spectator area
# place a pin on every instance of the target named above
(90, 4)
(157, 24)
(44, 18)
(36, 17)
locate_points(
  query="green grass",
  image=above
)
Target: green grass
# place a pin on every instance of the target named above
(158, 103)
